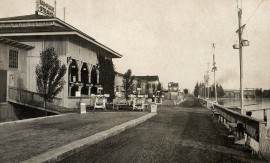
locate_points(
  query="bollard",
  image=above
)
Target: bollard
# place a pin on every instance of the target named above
(82, 108)
(153, 107)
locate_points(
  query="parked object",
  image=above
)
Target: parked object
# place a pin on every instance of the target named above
(139, 103)
(100, 101)
(120, 102)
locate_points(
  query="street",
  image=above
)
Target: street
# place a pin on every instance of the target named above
(176, 134)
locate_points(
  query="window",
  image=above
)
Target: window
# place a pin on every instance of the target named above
(13, 59)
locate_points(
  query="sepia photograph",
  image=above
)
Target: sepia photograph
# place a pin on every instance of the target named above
(134, 81)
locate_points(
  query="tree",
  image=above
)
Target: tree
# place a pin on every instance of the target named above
(106, 75)
(185, 91)
(159, 86)
(266, 93)
(147, 87)
(258, 93)
(196, 90)
(128, 82)
(220, 91)
(49, 75)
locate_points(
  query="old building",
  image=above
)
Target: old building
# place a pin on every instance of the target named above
(148, 84)
(25, 37)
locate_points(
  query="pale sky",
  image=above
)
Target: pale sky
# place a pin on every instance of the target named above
(172, 38)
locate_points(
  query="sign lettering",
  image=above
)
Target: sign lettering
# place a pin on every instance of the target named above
(45, 8)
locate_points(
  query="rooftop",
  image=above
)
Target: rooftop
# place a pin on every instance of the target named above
(26, 17)
(148, 78)
(31, 25)
(14, 43)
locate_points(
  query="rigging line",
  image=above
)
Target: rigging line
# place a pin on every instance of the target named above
(253, 13)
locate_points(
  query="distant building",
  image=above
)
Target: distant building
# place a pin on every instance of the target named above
(234, 93)
(148, 84)
(173, 87)
(173, 91)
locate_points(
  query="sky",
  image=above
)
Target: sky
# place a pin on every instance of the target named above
(172, 38)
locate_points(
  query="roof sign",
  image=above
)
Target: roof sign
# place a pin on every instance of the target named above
(45, 8)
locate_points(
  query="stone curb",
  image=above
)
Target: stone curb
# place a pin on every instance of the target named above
(31, 119)
(60, 153)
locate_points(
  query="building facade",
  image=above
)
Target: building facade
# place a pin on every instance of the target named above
(148, 84)
(78, 51)
(13, 71)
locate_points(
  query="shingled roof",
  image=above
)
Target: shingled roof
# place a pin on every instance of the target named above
(34, 29)
(26, 17)
(53, 26)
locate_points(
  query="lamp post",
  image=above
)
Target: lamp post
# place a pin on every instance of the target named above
(240, 45)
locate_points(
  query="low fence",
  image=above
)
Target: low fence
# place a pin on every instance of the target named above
(257, 132)
(34, 99)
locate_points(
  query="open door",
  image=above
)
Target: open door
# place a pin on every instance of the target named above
(3, 86)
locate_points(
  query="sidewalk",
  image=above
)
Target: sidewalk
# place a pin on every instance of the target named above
(22, 141)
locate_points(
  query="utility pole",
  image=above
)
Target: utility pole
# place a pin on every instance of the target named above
(214, 69)
(241, 59)
(241, 44)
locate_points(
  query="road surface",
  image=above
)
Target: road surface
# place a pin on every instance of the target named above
(176, 134)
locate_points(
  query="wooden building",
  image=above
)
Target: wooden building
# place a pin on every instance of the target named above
(25, 37)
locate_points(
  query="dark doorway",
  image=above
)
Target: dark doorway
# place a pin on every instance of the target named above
(73, 71)
(84, 74)
(94, 76)
(3, 86)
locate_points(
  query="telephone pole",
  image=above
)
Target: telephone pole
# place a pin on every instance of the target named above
(214, 69)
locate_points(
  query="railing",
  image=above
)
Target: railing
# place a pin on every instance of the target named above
(251, 125)
(33, 99)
